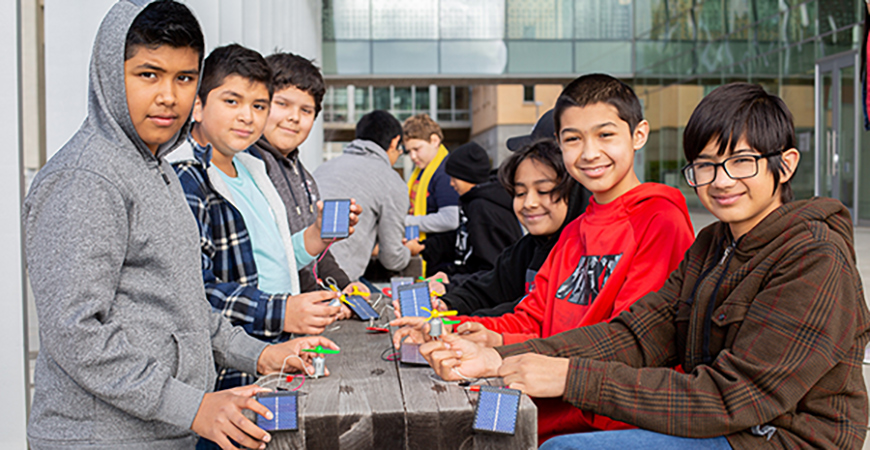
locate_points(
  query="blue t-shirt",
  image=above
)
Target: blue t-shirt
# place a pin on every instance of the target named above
(269, 256)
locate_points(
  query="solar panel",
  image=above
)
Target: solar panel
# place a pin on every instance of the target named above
(336, 220)
(283, 405)
(413, 298)
(361, 307)
(496, 410)
(412, 232)
(411, 355)
(395, 282)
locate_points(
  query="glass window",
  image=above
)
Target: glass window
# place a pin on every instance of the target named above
(347, 58)
(611, 57)
(346, 19)
(602, 19)
(540, 19)
(421, 99)
(382, 98)
(361, 102)
(478, 19)
(339, 104)
(405, 57)
(402, 102)
(461, 102)
(528, 93)
(393, 19)
(473, 57)
(445, 104)
(540, 57)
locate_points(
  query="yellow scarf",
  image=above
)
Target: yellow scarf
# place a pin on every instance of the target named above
(423, 186)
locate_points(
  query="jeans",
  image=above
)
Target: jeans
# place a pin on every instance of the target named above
(625, 439)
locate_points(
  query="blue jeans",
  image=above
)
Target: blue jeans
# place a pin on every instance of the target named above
(625, 439)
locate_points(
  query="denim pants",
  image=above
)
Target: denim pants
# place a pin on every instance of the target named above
(625, 439)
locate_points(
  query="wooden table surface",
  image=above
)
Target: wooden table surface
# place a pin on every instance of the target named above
(369, 403)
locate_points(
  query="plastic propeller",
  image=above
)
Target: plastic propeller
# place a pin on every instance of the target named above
(322, 350)
(434, 313)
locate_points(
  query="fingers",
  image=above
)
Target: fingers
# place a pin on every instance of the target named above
(415, 322)
(412, 335)
(397, 308)
(468, 327)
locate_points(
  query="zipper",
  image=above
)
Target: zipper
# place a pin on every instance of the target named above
(706, 357)
(162, 173)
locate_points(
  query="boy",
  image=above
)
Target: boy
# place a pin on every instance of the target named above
(625, 245)
(487, 224)
(365, 170)
(249, 256)
(765, 314)
(127, 342)
(296, 102)
(434, 204)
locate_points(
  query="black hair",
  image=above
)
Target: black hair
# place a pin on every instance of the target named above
(543, 151)
(229, 60)
(599, 88)
(379, 127)
(743, 110)
(164, 22)
(293, 70)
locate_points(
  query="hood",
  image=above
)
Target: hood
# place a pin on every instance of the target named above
(362, 147)
(263, 145)
(627, 204)
(107, 99)
(795, 217)
(491, 191)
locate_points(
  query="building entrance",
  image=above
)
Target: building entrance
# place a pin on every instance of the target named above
(838, 113)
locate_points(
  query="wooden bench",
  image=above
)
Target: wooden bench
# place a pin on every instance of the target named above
(370, 403)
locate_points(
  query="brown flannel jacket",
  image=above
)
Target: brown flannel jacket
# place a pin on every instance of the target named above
(771, 332)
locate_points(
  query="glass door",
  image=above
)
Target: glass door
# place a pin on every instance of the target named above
(838, 111)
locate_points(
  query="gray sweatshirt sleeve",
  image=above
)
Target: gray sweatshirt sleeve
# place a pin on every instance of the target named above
(446, 219)
(391, 230)
(76, 242)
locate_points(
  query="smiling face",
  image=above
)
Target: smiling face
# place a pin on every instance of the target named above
(598, 149)
(290, 120)
(233, 115)
(422, 152)
(161, 88)
(743, 203)
(533, 200)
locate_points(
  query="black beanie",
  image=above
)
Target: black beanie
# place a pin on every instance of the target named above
(468, 162)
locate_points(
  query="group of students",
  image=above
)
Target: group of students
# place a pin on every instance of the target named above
(625, 328)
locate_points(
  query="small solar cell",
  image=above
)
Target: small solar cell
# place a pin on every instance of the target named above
(411, 355)
(496, 410)
(413, 298)
(412, 232)
(361, 307)
(283, 405)
(336, 220)
(395, 282)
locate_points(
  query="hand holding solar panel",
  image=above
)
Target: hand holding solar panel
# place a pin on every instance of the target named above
(335, 222)
(285, 411)
(413, 298)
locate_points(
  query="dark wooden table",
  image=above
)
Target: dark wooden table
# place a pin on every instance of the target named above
(369, 403)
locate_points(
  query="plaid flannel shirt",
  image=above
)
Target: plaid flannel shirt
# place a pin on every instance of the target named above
(228, 268)
(771, 335)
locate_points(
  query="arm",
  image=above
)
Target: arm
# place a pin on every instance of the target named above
(74, 270)
(446, 219)
(490, 288)
(261, 314)
(391, 230)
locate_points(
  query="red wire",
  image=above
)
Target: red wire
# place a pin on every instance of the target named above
(322, 254)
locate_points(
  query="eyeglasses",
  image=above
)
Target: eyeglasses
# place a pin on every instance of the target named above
(736, 167)
(403, 149)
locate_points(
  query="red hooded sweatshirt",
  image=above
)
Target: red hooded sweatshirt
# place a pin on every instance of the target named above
(604, 261)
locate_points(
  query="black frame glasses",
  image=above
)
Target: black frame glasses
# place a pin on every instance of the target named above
(689, 171)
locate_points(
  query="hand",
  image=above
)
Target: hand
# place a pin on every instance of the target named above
(346, 313)
(220, 418)
(437, 303)
(414, 329)
(453, 357)
(273, 357)
(440, 277)
(310, 313)
(375, 251)
(415, 246)
(536, 375)
(314, 244)
(479, 334)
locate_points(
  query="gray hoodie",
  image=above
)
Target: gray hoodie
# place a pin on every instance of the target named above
(363, 172)
(128, 342)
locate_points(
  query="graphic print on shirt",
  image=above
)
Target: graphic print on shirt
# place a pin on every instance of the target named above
(530, 280)
(587, 280)
(463, 251)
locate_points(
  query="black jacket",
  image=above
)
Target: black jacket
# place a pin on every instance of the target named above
(495, 292)
(487, 226)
